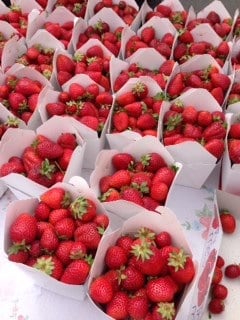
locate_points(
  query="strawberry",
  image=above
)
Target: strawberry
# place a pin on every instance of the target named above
(50, 265)
(134, 109)
(117, 307)
(234, 150)
(228, 221)
(18, 253)
(146, 121)
(56, 198)
(89, 234)
(176, 86)
(152, 162)
(163, 239)
(185, 36)
(165, 175)
(120, 121)
(159, 191)
(90, 121)
(67, 140)
(234, 131)
(219, 291)
(83, 209)
(163, 310)
(126, 98)
(17, 101)
(217, 276)
(64, 63)
(49, 149)
(220, 80)
(65, 228)
(27, 86)
(141, 181)
(147, 34)
(101, 290)
(215, 130)
(232, 271)
(122, 161)
(137, 307)
(55, 108)
(11, 167)
(102, 220)
(110, 195)
(215, 147)
(216, 306)
(49, 241)
(133, 195)
(218, 94)
(42, 211)
(76, 272)
(220, 262)
(24, 229)
(189, 114)
(204, 118)
(181, 267)
(63, 251)
(161, 289)
(132, 279)
(76, 91)
(149, 203)
(115, 257)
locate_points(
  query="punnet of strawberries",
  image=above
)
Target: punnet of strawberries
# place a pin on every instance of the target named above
(62, 32)
(143, 277)
(234, 95)
(17, 19)
(233, 142)
(11, 122)
(77, 7)
(59, 236)
(44, 161)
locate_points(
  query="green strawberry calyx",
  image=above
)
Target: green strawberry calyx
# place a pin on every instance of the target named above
(145, 233)
(45, 265)
(17, 247)
(166, 310)
(177, 260)
(79, 207)
(47, 169)
(142, 251)
(139, 88)
(173, 122)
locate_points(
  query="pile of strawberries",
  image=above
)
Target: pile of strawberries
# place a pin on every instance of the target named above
(62, 32)
(93, 63)
(44, 161)
(234, 143)
(147, 39)
(145, 182)
(135, 70)
(86, 104)
(210, 79)
(122, 8)
(234, 95)
(20, 96)
(144, 276)
(39, 58)
(219, 291)
(185, 123)
(60, 237)
(77, 7)
(135, 110)
(236, 61)
(102, 31)
(17, 19)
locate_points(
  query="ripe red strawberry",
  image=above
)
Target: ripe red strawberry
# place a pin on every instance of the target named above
(42, 212)
(18, 253)
(83, 209)
(220, 80)
(218, 94)
(122, 161)
(120, 121)
(120, 179)
(49, 241)
(102, 220)
(11, 167)
(217, 276)
(216, 306)
(159, 191)
(147, 34)
(117, 307)
(185, 36)
(64, 63)
(133, 195)
(164, 174)
(24, 229)
(101, 290)
(65, 228)
(161, 289)
(215, 147)
(215, 130)
(111, 195)
(27, 86)
(89, 234)
(189, 114)
(56, 198)
(126, 98)
(219, 291)
(162, 309)
(163, 239)
(228, 221)
(234, 150)
(147, 121)
(63, 251)
(125, 242)
(176, 86)
(149, 203)
(220, 262)
(232, 271)
(134, 109)
(76, 272)
(204, 118)
(132, 279)
(152, 162)
(234, 131)
(141, 181)
(49, 149)
(115, 257)
(137, 307)
(57, 215)
(50, 265)
(181, 267)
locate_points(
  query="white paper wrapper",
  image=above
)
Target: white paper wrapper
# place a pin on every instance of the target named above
(234, 107)
(197, 162)
(120, 140)
(138, 148)
(77, 292)
(15, 141)
(166, 220)
(230, 173)
(234, 53)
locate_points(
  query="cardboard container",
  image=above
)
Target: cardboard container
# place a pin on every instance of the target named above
(138, 148)
(166, 220)
(160, 25)
(120, 140)
(136, 22)
(77, 292)
(230, 172)
(197, 162)
(93, 143)
(106, 15)
(21, 71)
(15, 141)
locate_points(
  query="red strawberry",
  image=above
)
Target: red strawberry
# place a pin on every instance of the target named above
(115, 257)
(220, 262)
(234, 132)
(234, 150)
(63, 251)
(49, 241)
(111, 195)
(101, 220)
(215, 147)
(50, 265)
(133, 195)
(49, 150)
(18, 253)
(216, 306)
(67, 140)
(64, 63)
(215, 130)
(90, 121)
(27, 86)
(220, 80)
(163, 310)
(101, 290)
(152, 162)
(137, 307)
(161, 289)
(163, 239)
(228, 221)
(126, 98)
(149, 203)
(65, 228)
(56, 198)
(147, 34)
(11, 167)
(176, 86)
(120, 121)
(146, 121)
(89, 234)
(24, 229)
(232, 271)
(83, 209)
(217, 276)
(122, 161)
(159, 191)
(76, 272)
(219, 291)
(117, 307)
(218, 94)
(189, 114)
(132, 279)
